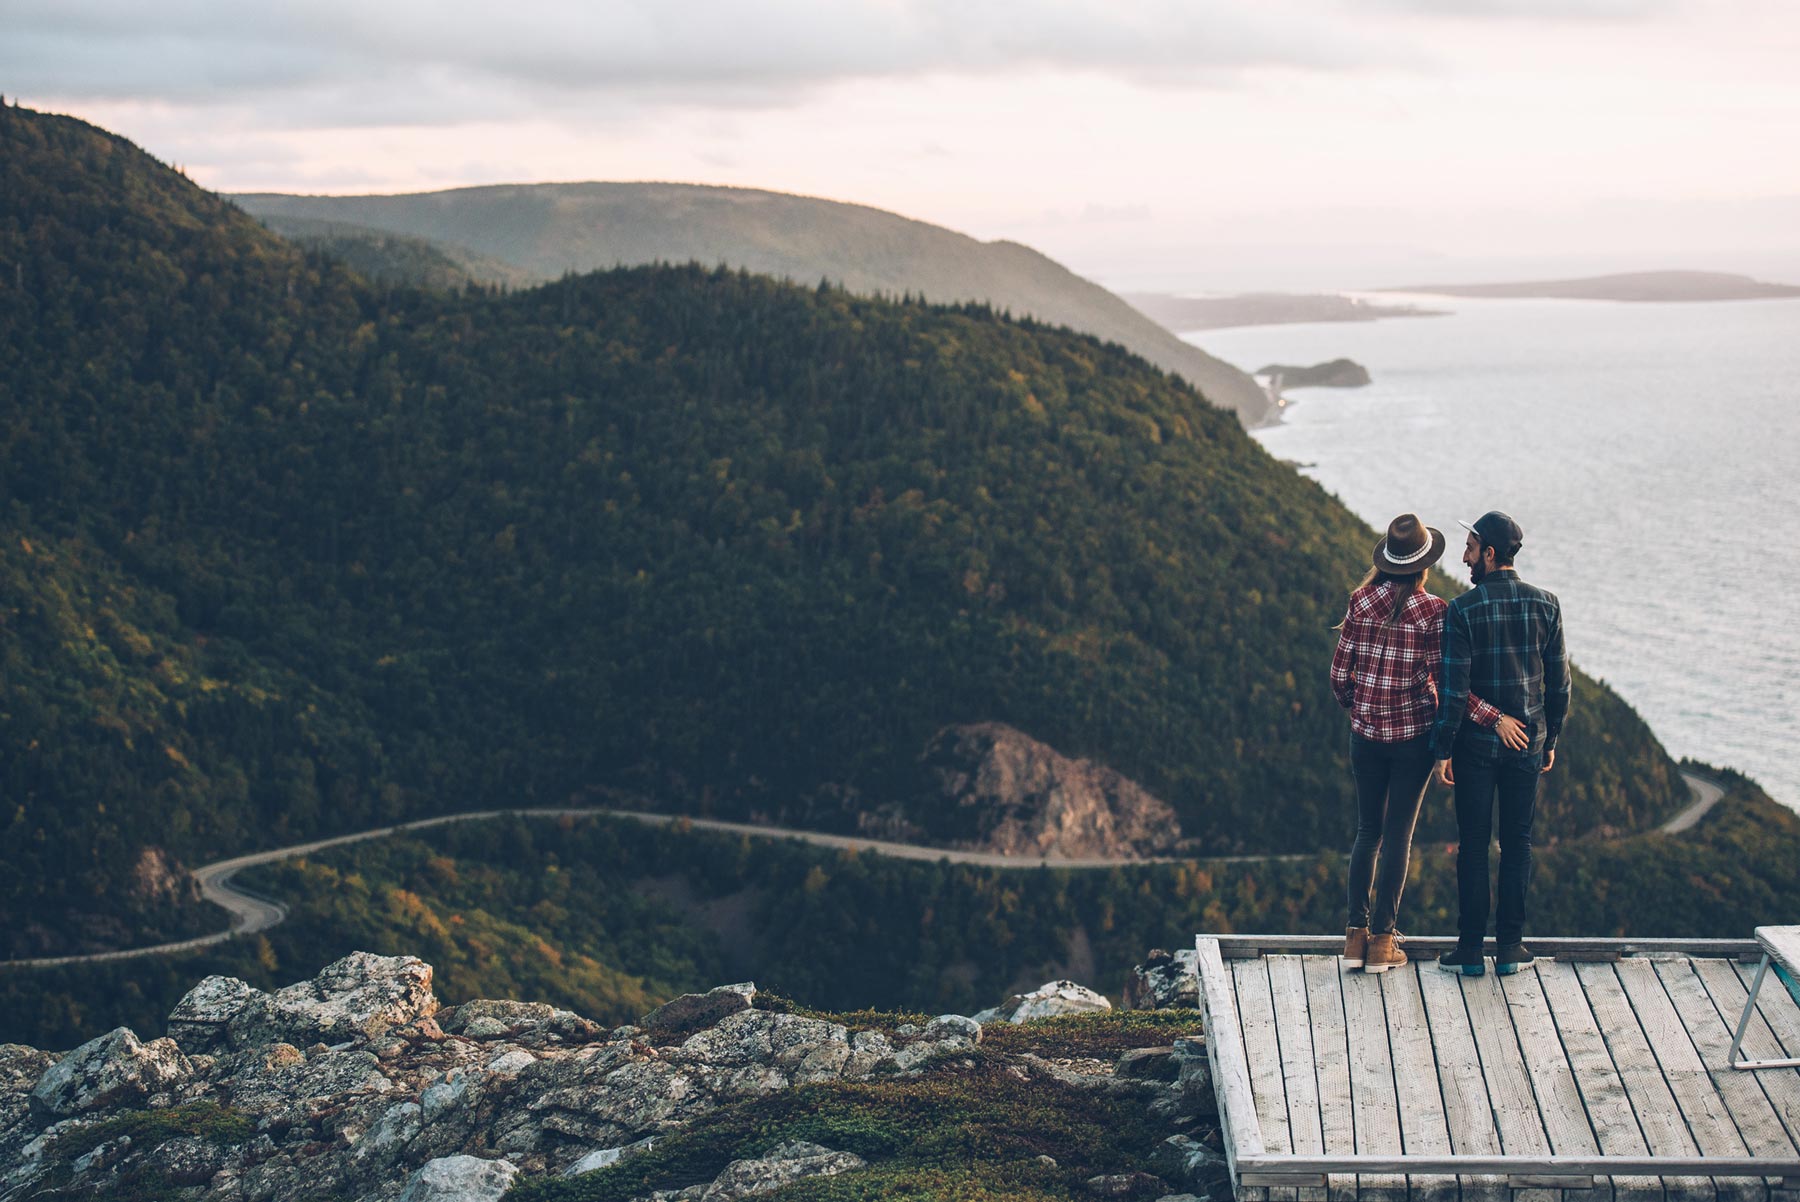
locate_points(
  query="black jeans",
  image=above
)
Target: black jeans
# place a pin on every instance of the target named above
(1482, 772)
(1390, 784)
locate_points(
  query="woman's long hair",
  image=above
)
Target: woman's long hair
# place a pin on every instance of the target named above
(1402, 596)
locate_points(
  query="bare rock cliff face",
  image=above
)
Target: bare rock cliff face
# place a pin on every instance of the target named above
(992, 788)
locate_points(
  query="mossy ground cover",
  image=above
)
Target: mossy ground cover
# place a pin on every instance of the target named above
(972, 1128)
(147, 1129)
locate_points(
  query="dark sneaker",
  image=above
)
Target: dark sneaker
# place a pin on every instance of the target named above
(1469, 964)
(1512, 958)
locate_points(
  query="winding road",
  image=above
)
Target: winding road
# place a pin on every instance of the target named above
(251, 912)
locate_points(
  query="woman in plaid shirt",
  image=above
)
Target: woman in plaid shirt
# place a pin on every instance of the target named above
(1385, 671)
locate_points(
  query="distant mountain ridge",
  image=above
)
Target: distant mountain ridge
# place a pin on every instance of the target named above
(547, 230)
(1637, 286)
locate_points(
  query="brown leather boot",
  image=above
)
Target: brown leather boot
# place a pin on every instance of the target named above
(1384, 953)
(1355, 940)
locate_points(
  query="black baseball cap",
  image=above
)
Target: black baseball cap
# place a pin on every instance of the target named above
(1497, 530)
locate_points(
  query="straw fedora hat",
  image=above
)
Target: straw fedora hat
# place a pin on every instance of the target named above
(1409, 547)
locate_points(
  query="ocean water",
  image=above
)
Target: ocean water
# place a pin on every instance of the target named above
(1652, 455)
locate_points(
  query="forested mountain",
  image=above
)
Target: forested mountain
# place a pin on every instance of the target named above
(288, 553)
(388, 258)
(548, 230)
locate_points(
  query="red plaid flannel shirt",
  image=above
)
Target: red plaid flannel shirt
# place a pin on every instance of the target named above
(1388, 676)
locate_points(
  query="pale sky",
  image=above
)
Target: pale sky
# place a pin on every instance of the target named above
(1189, 145)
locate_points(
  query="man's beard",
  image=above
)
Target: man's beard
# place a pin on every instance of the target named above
(1477, 572)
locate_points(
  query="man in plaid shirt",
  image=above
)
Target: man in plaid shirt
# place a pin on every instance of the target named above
(1504, 640)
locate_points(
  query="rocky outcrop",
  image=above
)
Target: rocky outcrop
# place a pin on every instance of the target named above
(358, 997)
(1165, 981)
(989, 787)
(347, 1086)
(784, 1165)
(112, 1070)
(1050, 1000)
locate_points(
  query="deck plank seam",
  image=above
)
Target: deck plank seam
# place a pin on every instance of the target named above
(1587, 1007)
(1728, 1017)
(1656, 1059)
(1755, 1086)
(1723, 1187)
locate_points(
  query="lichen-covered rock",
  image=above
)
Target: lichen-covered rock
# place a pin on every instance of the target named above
(20, 1070)
(784, 1165)
(114, 1068)
(952, 1027)
(356, 998)
(460, 1179)
(534, 1023)
(1149, 1064)
(1189, 1162)
(1165, 981)
(784, 1041)
(699, 1009)
(602, 1158)
(1050, 1000)
(201, 1019)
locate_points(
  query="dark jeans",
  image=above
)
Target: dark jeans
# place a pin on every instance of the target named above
(1482, 772)
(1390, 784)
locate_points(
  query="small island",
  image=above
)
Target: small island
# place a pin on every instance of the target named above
(1339, 373)
(1641, 287)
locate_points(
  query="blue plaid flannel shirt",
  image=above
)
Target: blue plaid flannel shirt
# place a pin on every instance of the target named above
(1503, 639)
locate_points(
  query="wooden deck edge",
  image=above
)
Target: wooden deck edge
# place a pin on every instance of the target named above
(1233, 947)
(1293, 1164)
(1230, 1065)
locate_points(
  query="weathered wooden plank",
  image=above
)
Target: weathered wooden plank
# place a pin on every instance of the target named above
(1225, 1055)
(1689, 1082)
(1658, 1114)
(1293, 1028)
(1758, 1124)
(1728, 992)
(1262, 1049)
(1503, 1067)
(1331, 1052)
(1597, 1079)
(1423, 1128)
(1377, 1111)
(1468, 1115)
(1559, 1103)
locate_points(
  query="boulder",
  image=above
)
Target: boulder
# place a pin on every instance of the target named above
(1148, 1064)
(1051, 1000)
(200, 1021)
(356, 998)
(602, 1158)
(1126, 1185)
(783, 1166)
(692, 1010)
(460, 1179)
(534, 1023)
(1165, 981)
(1190, 1162)
(20, 1070)
(953, 1027)
(110, 1070)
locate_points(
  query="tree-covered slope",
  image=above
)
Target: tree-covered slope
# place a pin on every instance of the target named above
(551, 229)
(310, 555)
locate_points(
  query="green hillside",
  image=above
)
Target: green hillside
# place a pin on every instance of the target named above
(548, 230)
(288, 553)
(388, 258)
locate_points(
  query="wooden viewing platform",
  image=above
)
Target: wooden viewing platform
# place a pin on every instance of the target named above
(1601, 1072)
